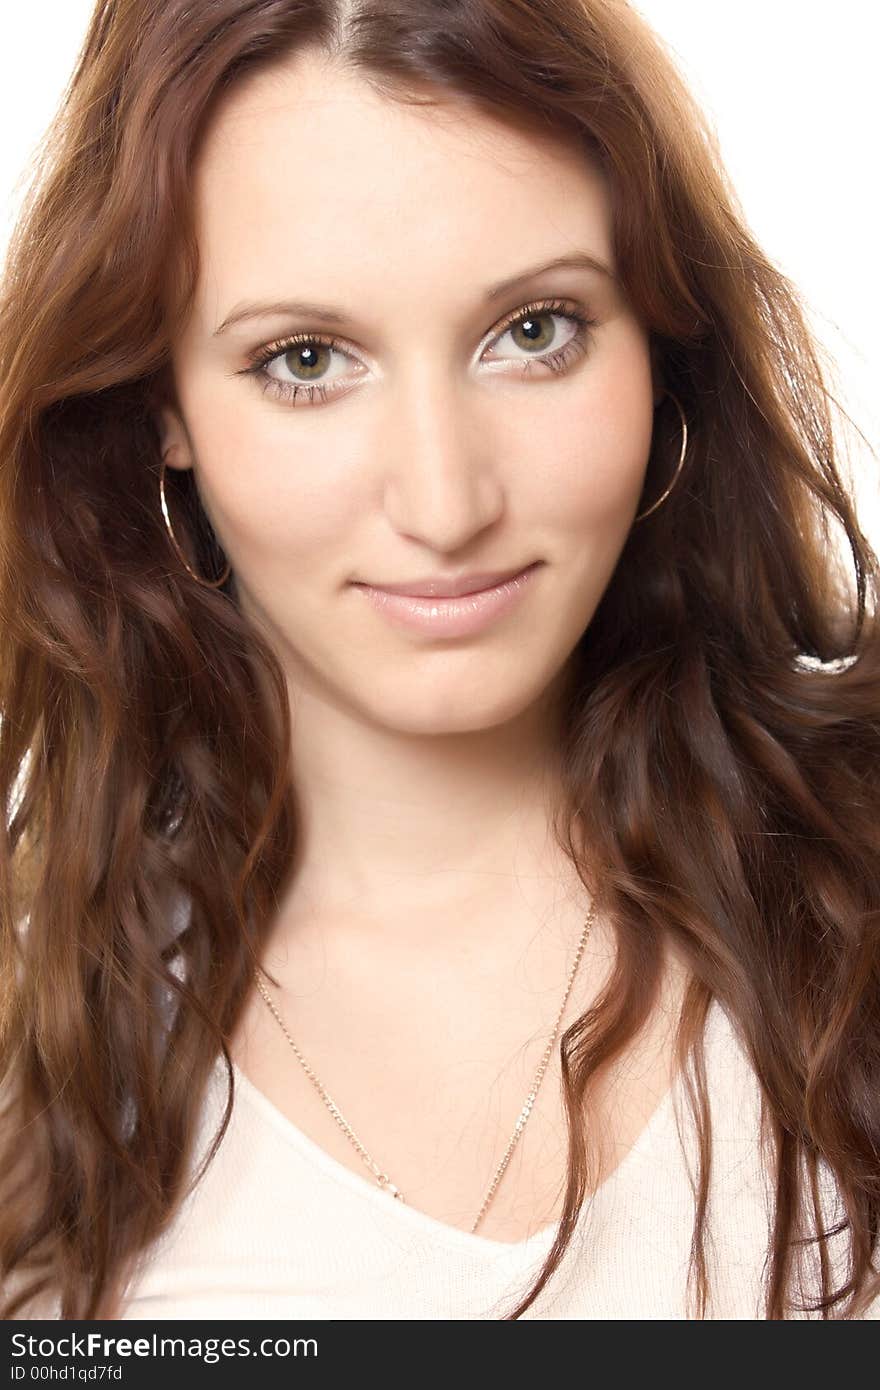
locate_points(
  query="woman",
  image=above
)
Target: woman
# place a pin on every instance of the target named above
(468, 954)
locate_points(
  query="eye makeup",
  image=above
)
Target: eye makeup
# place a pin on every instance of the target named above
(294, 392)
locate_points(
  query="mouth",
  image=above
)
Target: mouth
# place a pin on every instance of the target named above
(461, 614)
(450, 586)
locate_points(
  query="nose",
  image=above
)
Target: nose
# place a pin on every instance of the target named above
(442, 484)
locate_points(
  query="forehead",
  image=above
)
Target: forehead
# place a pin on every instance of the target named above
(308, 179)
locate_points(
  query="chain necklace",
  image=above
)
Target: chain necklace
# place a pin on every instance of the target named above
(382, 1178)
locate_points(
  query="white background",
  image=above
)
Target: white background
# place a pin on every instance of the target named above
(790, 87)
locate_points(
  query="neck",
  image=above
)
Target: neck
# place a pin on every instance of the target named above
(405, 833)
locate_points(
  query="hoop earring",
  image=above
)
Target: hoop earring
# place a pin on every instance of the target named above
(684, 439)
(208, 583)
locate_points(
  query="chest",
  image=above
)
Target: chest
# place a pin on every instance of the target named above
(432, 1094)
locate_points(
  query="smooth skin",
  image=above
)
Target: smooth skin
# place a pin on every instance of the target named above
(424, 943)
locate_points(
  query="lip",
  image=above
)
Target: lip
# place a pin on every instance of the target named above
(452, 587)
(460, 615)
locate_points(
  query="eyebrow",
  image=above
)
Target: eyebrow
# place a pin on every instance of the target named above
(255, 309)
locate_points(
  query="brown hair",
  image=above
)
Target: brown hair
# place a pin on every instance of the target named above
(721, 736)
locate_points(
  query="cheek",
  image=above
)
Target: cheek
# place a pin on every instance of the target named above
(270, 504)
(592, 440)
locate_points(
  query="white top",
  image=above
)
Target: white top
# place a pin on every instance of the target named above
(279, 1229)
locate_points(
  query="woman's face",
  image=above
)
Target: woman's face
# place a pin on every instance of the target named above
(434, 437)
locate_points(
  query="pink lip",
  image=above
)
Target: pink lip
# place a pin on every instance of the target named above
(458, 616)
(451, 587)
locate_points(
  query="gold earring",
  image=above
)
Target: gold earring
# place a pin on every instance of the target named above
(208, 583)
(684, 440)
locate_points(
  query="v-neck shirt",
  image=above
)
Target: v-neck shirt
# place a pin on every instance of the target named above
(278, 1228)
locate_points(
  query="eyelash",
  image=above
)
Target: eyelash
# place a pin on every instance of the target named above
(557, 361)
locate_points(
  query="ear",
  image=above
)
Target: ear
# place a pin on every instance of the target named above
(657, 374)
(174, 439)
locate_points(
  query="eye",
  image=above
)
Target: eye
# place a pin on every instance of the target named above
(303, 353)
(531, 330)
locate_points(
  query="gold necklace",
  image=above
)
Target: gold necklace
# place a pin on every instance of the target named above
(382, 1178)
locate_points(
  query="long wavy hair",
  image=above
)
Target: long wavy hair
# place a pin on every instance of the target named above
(721, 734)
